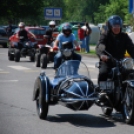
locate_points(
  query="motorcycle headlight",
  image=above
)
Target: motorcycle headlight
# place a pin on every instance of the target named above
(67, 52)
(27, 44)
(128, 63)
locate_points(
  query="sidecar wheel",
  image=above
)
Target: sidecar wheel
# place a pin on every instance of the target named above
(43, 61)
(41, 105)
(107, 111)
(128, 106)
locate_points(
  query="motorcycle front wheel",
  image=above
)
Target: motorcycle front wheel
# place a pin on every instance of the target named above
(128, 105)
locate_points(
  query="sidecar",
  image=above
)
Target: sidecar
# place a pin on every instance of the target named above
(71, 87)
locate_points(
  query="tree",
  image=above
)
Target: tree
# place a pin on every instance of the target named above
(114, 7)
(20, 9)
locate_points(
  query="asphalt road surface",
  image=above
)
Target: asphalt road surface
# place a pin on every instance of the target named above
(18, 112)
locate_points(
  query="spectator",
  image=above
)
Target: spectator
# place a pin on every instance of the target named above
(88, 31)
(81, 37)
(9, 29)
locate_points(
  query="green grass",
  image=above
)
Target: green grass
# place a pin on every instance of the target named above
(91, 52)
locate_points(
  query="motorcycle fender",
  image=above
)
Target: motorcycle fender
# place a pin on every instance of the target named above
(45, 86)
(129, 82)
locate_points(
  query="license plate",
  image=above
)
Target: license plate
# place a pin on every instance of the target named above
(106, 85)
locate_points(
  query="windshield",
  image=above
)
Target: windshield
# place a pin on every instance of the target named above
(37, 31)
(72, 67)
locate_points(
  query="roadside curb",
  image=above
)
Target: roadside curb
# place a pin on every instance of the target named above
(89, 54)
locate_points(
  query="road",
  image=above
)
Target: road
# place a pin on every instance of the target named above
(18, 111)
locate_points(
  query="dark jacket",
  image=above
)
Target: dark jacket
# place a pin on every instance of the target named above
(49, 33)
(9, 30)
(117, 45)
(24, 34)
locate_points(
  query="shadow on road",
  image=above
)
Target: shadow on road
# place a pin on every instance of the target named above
(83, 120)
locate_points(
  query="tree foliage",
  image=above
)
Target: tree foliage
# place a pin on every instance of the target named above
(118, 7)
(94, 11)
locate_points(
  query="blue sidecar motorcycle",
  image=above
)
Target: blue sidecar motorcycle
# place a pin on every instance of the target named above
(71, 87)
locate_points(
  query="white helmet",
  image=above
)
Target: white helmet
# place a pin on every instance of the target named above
(21, 24)
(52, 23)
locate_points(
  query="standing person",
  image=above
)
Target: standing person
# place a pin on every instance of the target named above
(81, 37)
(88, 31)
(9, 29)
(116, 43)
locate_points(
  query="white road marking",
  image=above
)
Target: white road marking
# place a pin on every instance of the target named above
(91, 66)
(8, 80)
(4, 72)
(19, 67)
(30, 71)
(94, 79)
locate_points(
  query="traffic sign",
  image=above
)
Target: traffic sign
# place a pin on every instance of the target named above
(53, 13)
(131, 6)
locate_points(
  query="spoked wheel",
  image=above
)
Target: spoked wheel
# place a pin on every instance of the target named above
(107, 111)
(43, 61)
(41, 105)
(128, 105)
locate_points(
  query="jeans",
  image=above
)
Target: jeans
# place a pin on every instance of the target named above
(83, 43)
(58, 59)
(105, 69)
(87, 39)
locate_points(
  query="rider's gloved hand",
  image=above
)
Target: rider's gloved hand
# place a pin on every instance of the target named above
(104, 57)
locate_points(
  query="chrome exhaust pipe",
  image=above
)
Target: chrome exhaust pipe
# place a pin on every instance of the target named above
(74, 100)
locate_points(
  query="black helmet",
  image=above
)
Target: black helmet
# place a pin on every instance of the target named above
(114, 20)
(67, 27)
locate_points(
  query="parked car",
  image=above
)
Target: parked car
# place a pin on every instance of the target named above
(77, 22)
(3, 37)
(37, 31)
(13, 28)
(45, 27)
(13, 40)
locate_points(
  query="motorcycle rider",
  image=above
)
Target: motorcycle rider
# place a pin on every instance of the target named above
(49, 32)
(23, 35)
(116, 43)
(66, 35)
